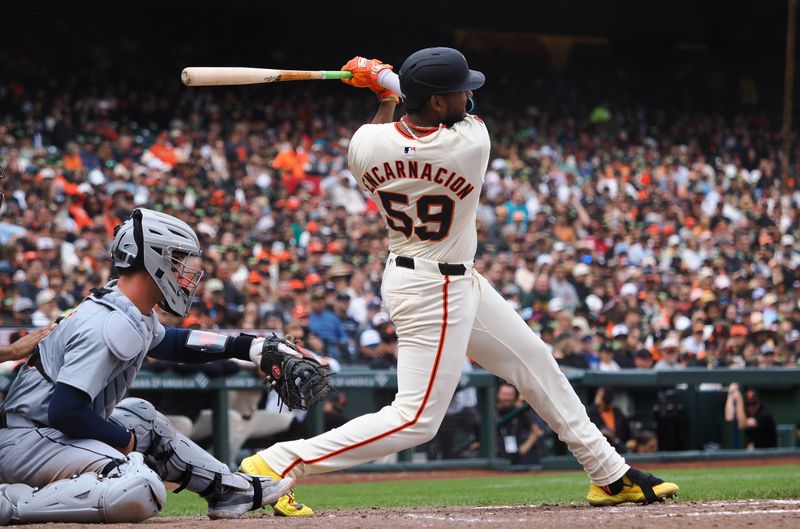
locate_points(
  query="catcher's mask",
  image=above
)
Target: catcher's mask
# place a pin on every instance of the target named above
(163, 246)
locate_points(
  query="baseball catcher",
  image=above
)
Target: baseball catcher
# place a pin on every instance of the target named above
(97, 457)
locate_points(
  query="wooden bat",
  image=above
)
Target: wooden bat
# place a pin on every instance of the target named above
(221, 76)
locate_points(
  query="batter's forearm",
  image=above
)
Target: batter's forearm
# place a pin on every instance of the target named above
(385, 113)
(387, 79)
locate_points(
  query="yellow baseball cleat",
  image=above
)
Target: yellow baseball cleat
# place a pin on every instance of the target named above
(286, 505)
(634, 487)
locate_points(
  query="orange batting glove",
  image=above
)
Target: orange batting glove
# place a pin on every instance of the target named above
(365, 71)
(365, 75)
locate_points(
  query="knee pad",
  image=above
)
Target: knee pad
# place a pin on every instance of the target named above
(131, 492)
(146, 423)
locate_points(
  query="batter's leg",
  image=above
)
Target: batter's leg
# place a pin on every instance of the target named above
(503, 343)
(433, 316)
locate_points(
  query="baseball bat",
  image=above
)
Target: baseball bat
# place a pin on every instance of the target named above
(221, 76)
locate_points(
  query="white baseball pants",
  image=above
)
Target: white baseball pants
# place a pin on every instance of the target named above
(439, 319)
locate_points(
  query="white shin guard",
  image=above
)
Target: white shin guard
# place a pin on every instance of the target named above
(174, 456)
(130, 493)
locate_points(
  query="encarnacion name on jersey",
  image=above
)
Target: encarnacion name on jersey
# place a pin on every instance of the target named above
(373, 178)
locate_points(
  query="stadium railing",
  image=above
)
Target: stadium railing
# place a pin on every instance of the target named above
(780, 387)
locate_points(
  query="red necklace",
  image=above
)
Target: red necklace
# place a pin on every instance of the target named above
(419, 128)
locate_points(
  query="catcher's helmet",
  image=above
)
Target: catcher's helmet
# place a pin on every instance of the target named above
(436, 71)
(162, 245)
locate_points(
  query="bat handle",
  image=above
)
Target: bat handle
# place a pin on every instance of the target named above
(336, 74)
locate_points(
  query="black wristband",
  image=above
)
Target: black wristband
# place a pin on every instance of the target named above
(241, 346)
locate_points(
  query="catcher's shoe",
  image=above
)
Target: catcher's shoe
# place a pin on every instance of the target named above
(286, 505)
(634, 487)
(263, 491)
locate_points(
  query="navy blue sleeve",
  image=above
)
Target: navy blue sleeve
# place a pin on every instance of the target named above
(70, 412)
(173, 348)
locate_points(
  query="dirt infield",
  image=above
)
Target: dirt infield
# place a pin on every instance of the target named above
(776, 514)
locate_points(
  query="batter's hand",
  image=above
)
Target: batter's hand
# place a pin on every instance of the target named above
(365, 75)
(365, 72)
(23, 347)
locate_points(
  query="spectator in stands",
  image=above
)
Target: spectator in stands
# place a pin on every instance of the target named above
(694, 344)
(587, 352)
(64, 300)
(520, 431)
(609, 419)
(369, 346)
(607, 361)
(325, 324)
(670, 354)
(47, 310)
(387, 348)
(643, 359)
(561, 288)
(32, 280)
(566, 352)
(232, 296)
(23, 312)
(626, 343)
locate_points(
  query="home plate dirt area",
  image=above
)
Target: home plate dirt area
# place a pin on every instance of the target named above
(775, 514)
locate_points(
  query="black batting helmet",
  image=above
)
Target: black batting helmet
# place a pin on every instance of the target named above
(436, 71)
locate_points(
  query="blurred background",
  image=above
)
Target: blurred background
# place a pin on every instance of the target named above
(641, 209)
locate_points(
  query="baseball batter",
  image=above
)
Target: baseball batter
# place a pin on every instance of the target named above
(65, 427)
(425, 172)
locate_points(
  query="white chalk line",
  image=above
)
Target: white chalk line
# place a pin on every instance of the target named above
(685, 510)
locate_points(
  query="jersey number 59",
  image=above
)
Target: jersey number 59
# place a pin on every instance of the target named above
(431, 209)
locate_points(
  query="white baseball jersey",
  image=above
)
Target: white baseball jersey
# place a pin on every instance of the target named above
(428, 189)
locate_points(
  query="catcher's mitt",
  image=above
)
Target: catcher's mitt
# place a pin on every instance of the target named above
(298, 378)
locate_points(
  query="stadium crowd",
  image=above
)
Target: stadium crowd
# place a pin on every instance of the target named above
(625, 235)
